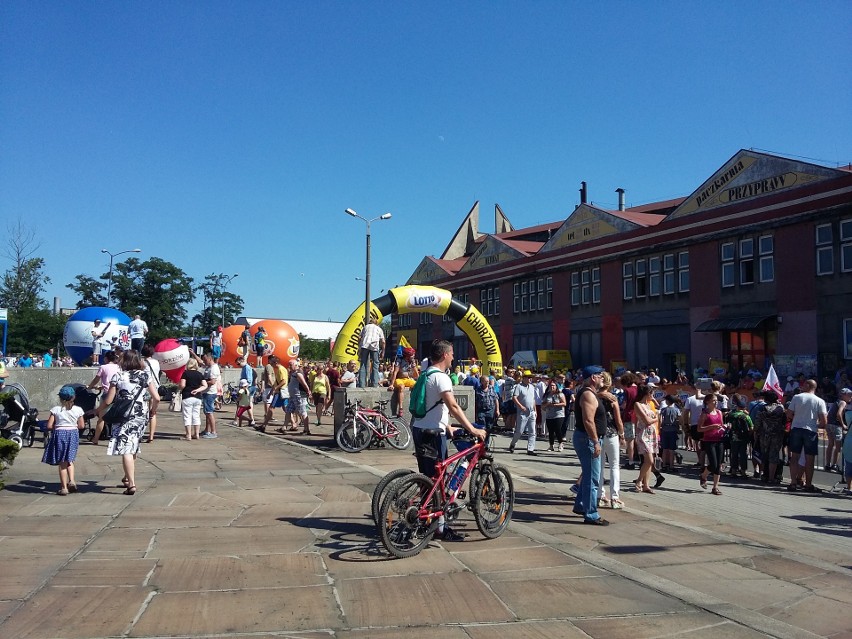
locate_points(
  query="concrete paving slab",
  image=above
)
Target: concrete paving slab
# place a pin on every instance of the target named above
(691, 624)
(388, 600)
(21, 575)
(267, 494)
(819, 615)
(24, 546)
(573, 571)
(781, 567)
(105, 572)
(76, 613)
(423, 632)
(344, 493)
(239, 542)
(53, 526)
(365, 562)
(647, 555)
(178, 517)
(561, 629)
(121, 542)
(521, 558)
(203, 614)
(584, 597)
(276, 513)
(232, 573)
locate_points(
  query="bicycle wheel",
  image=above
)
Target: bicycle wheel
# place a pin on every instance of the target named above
(30, 436)
(227, 398)
(402, 438)
(380, 490)
(354, 437)
(493, 500)
(401, 529)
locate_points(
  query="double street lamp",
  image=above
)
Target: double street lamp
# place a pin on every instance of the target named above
(224, 288)
(112, 256)
(385, 216)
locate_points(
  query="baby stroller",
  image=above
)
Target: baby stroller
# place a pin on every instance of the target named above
(87, 399)
(18, 422)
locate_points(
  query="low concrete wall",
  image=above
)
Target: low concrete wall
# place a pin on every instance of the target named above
(369, 396)
(43, 384)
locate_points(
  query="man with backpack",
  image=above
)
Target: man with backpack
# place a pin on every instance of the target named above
(742, 432)
(432, 403)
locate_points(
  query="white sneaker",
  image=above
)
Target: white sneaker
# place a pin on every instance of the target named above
(561, 447)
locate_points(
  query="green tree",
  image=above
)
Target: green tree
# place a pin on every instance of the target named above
(214, 294)
(315, 350)
(23, 284)
(34, 330)
(91, 291)
(155, 289)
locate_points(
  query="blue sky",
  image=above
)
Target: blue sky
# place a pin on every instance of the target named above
(230, 136)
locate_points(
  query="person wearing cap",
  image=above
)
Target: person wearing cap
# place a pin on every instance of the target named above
(835, 428)
(244, 404)
(523, 395)
(403, 375)
(590, 427)
(64, 423)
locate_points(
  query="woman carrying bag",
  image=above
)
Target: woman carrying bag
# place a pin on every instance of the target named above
(126, 389)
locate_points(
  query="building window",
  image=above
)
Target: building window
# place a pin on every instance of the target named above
(683, 271)
(627, 276)
(654, 276)
(404, 320)
(575, 289)
(540, 288)
(668, 274)
(728, 254)
(584, 280)
(766, 260)
(747, 261)
(846, 246)
(524, 297)
(824, 250)
(641, 279)
(548, 286)
(596, 285)
(516, 298)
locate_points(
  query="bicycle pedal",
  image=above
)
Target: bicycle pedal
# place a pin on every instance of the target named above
(462, 495)
(452, 511)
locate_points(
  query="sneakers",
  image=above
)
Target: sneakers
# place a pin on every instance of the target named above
(659, 482)
(511, 449)
(575, 489)
(561, 447)
(209, 436)
(451, 535)
(617, 504)
(532, 452)
(810, 488)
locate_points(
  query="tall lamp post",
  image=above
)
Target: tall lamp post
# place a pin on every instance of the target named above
(225, 288)
(112, 256)
(385, 216)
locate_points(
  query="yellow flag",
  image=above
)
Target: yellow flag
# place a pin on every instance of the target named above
(404, 342)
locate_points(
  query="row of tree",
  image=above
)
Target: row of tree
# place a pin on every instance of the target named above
(156, 289)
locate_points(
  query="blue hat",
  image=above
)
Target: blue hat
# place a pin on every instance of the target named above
(591, 370)
(67, 392)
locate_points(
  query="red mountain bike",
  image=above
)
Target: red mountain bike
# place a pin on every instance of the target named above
(412, 504)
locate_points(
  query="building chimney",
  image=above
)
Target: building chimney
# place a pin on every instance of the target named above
(583, 193)
(620, 198)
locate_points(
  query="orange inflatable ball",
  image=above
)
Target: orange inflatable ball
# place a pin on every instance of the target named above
(281, 340)
(230, 350)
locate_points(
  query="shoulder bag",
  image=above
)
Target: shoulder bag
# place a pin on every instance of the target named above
(121, 410)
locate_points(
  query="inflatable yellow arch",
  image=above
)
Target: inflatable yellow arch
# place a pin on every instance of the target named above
(423, 299)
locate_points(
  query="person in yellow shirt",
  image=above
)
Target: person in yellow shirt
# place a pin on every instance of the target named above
(403, 375)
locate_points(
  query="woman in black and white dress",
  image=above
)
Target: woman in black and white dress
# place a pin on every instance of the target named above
(126, 436)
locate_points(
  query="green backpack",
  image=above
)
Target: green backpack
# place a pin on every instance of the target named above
(417, 403)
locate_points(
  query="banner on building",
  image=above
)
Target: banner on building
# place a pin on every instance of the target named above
(554, 360)
(718, 367)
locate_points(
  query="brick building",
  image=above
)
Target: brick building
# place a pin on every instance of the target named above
(754, 266)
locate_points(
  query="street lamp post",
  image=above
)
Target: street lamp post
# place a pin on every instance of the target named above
(112, 256)
(224, 288)
(385, 216)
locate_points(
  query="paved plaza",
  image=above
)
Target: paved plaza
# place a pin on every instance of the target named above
(254, 535)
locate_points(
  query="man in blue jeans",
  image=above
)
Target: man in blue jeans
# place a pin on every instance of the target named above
(590, 427)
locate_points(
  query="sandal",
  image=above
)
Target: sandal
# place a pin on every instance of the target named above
(716, 491)
(131, 490)
(72, 488)
(703, 483)
(62, 491)
(306, 432)
(649, 491)
(617, 504)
